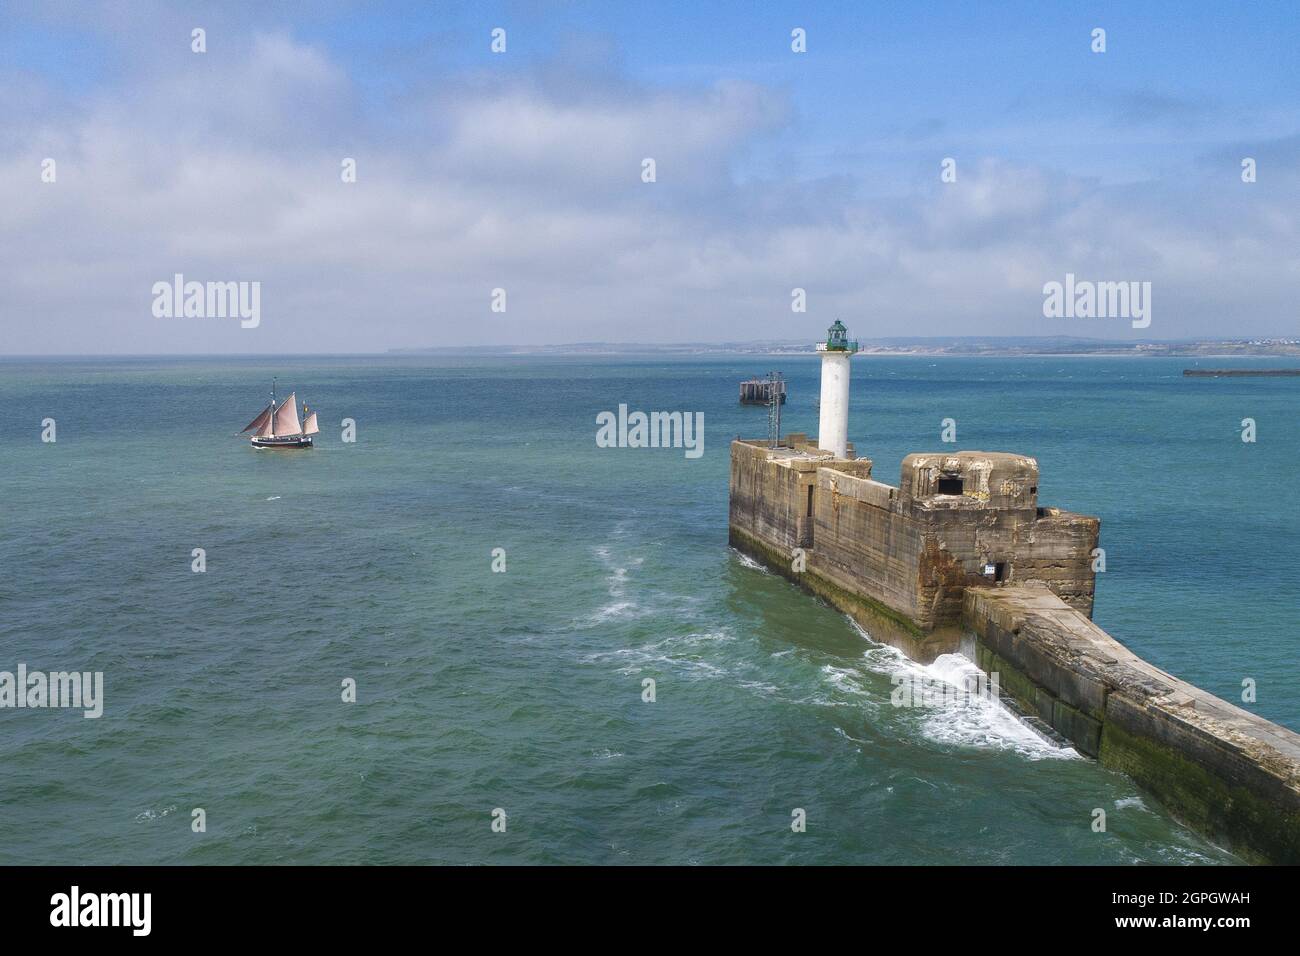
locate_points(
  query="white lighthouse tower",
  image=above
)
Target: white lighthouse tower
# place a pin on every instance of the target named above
(833, 429)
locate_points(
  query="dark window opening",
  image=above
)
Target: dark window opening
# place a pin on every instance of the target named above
(1033, 489)
(950, 486)
(810, 501)
(1000, 571)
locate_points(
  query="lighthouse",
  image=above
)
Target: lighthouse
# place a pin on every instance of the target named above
(833, 429)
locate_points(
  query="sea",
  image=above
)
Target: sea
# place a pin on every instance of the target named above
(473, 635)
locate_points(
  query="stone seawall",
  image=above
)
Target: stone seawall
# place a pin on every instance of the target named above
(899, 559)
(961, 550)
(770, 521)
(1219, 769)
(882, 622)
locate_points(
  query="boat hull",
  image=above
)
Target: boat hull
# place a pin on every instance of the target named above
(288, 443)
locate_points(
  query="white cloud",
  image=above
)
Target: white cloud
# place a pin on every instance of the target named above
(227, 168)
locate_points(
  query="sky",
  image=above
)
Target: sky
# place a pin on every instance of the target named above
(523, 170)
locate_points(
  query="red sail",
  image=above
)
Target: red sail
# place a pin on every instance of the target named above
(260, 422)
(286, 417)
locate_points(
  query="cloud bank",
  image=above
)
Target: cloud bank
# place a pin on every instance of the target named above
(225, 166)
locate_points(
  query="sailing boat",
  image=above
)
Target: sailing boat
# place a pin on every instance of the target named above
(279, 427)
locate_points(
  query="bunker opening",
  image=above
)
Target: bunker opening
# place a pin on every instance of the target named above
(950, 485)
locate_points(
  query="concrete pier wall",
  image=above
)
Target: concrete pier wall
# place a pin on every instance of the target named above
(899, 558)
(1220, 769)
(961, 550)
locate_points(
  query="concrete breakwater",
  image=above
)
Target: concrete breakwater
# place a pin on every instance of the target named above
(1220, 769)
(1239, 372)
(961, 556)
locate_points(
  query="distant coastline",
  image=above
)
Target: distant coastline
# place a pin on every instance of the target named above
(1025, 347)
(1059, 347)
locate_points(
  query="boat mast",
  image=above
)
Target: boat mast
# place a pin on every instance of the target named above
(272, 406)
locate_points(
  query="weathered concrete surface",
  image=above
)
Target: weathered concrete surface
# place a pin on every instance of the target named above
(1220, 769)
(770, 520)
(899, 559)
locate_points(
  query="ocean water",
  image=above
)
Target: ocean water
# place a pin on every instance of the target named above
(523, 690)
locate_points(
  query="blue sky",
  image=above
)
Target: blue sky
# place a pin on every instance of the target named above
(520, 170)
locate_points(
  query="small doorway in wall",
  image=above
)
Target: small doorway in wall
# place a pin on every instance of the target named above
(949, 485)
(806, 526)
(1000, 571)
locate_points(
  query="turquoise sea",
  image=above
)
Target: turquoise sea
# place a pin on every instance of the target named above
(522, 690)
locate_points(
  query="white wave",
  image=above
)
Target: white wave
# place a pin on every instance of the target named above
(639, 660)
(749, 562)
(981, 721)
(148, 815)
(1125, 802)
(703, 638)
(618, 575)
(844, 679)
(617, 581)
(848, 736)
(963, 719)
(844, 687)
(675, 652)
(620, 605)
(862, 631)
(612, 611)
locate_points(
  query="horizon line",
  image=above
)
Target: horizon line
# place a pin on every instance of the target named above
(755, 345)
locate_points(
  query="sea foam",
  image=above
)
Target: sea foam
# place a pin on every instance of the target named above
(971, 720)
